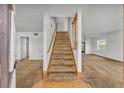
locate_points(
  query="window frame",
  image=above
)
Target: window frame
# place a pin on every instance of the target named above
(103, 43)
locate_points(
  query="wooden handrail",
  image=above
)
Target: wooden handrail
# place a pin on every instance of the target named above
(52, 39)
(74, 23)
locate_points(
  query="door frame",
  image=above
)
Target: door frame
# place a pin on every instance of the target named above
(26, 46)
(84, 45)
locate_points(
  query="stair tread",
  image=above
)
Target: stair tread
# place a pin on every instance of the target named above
(65, 61)
(60, 49)
(62, 46)
(62, 63)
(53, 58)
(62, 76)
(62, 69)
(69, 55)
(62, 52)
(65, 57)
(65, 54)
(66, 45)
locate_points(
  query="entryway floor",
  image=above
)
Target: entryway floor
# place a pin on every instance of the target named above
(46, 84)
(28, 72)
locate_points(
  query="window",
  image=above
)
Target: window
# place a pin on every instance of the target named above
(101, 44)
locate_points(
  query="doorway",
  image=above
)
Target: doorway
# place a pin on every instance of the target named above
(24, 47)
(83, 47)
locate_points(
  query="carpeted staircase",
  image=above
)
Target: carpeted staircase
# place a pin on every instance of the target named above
(62, 63)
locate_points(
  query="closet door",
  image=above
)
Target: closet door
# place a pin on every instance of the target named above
(4, 44)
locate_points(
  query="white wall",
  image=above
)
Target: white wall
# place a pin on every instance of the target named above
(79, 38)
(45, 47)
(88, 46)
(50, 35)
(62, 23)
(35, 45)
(114, 46)
(51, 29)
(48, 31)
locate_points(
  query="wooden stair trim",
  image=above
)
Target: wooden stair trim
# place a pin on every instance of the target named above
(51, 55)
(72, 53)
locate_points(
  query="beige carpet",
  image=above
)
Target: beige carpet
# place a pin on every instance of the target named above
(102, 72)
(28, 73)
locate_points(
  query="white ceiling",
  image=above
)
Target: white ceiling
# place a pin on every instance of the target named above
(29, 17)
(96, 19)
(102, 19)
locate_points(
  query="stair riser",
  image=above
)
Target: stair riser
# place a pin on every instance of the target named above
(61, 58)
(62, 52)
(62, 64)
(62, 78)
(62, 46)
(65, 57)
(62, 49)
(62, 43)
(62, 71)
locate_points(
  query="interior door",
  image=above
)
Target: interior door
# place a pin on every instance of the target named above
(23, 47)
(27, 47)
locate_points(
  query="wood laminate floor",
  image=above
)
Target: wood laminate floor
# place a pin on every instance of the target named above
(28, 72)
(101, 72)
(65, 84)
(98, 71)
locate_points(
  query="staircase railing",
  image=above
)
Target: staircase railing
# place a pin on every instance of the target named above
(52, 40)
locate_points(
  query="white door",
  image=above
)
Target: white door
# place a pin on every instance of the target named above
(23, 48)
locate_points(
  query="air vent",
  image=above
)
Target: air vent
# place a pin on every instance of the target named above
(35, 34)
